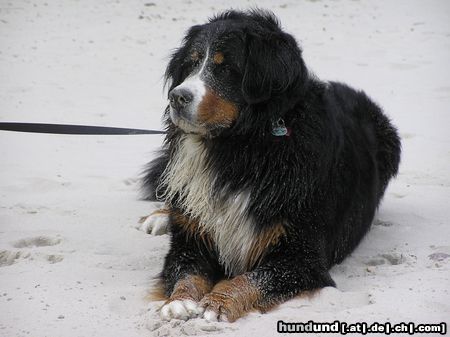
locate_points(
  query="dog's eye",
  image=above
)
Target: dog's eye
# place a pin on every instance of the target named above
(228, 71)
(196, 63)
(225, 69)
(191, 63)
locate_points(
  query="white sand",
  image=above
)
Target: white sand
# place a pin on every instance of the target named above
(71, 261)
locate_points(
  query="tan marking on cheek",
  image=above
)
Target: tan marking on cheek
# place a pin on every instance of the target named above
(218, 58)
(214, 110)
(192, 287)
(234, 298)
(264, 240)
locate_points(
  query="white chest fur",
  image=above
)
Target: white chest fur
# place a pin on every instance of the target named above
(225, 219)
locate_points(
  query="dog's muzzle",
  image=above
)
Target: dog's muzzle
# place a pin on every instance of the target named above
(180, 99)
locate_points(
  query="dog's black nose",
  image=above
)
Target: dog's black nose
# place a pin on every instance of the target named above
(180, 98)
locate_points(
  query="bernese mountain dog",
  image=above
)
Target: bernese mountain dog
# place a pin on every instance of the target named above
(269, 176)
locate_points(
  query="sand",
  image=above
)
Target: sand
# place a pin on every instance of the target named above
(72, 262)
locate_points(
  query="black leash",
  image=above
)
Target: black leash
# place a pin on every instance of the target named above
(67, 129)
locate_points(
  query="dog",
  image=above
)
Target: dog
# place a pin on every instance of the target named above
(269, 176)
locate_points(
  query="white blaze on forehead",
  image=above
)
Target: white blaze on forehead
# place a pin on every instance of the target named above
(203, 67)
(195, 84)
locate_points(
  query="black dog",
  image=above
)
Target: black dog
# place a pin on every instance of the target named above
(269, 175)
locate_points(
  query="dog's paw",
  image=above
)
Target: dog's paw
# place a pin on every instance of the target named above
(218, 307)
(157, 223)
(213, 316)
(230, 300)
(181, 309)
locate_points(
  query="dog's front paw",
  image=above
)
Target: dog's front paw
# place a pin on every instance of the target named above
(230, 300)
(220, 307)
(157, 223)
(181, 309)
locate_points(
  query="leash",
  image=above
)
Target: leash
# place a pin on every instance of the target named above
(69, 129)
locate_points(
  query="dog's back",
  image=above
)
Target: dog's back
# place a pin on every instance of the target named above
(369, 155)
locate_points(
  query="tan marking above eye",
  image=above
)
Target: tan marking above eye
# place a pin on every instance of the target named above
(195, 56)
(218, 58)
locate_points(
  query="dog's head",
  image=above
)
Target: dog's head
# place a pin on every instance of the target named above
(235, 61)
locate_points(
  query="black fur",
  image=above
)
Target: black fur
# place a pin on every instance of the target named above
(325, 180)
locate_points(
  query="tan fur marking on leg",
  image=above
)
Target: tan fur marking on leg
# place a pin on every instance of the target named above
(215, 110)
(191, 228)
(264, 240)
(195, 56)
(192, 287)
(157, 292)
(189, 225)
(161, 211)
(234, 298)
(165, 211)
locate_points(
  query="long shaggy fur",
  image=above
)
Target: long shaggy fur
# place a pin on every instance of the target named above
(322, 183)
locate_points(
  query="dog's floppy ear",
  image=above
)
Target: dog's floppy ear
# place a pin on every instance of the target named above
(273, 66)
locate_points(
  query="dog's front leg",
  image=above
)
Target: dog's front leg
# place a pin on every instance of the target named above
(284, 273)
(231, 299)
(157, 223)
(186, 294)
(190, 270)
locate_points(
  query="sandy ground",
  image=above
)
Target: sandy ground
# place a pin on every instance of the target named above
(72, 262)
